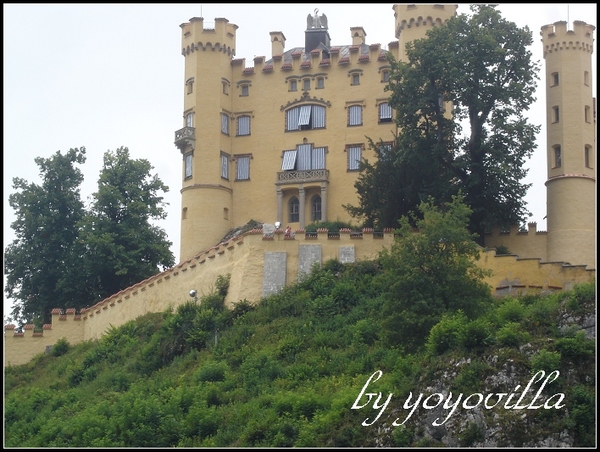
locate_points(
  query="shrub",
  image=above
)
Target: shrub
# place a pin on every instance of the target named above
(545, 360)
(446, 334)
(579, 295)
(473, 434)
(510, 335)
(331, 226)
(512, 310)
(212, 371)
(470, 377)
(575, 348)
(61, 347)
(476, 334)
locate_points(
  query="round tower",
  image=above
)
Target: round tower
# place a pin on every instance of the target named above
(413, 21)
(571, 143)
(204, 140)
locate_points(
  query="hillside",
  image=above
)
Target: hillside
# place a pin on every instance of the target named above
(293, 372)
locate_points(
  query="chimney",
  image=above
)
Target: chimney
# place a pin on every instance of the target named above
(277, 43)
(358, 35)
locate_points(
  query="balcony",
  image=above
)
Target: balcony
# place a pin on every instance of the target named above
(185, 137)
(294, 177)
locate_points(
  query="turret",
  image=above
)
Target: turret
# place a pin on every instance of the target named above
(204, 141)
(571, 143)
(413, 21)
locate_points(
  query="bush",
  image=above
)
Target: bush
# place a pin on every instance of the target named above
(579, 295)
(476, 334)
(575, 348)
(545, 360)
(61, 347)
(212, 371)
(512, 310)
(446, 334)
(331, 226)
(510, 335)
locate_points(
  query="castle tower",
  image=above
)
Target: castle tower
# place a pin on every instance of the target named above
(413, 21)
(571, 143)
(204, 139)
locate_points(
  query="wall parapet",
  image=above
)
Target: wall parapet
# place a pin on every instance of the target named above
(242, 257)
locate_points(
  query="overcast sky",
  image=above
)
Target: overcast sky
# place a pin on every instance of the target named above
(102, 76)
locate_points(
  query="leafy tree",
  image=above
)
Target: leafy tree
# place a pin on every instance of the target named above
(121, 245)
(480, 66)
(393, 186)
(36, 262)
(431, 271)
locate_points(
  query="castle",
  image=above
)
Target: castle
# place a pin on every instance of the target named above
(281, 141)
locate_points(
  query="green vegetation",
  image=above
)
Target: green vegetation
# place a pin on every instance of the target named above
(286, 371)
(68, 256)
(480, 63)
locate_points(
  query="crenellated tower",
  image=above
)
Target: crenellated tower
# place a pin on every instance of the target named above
(204, 139)
(571, 143)
(413, 21)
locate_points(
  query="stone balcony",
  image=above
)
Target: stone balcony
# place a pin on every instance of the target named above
(294, 177)
(185, 137)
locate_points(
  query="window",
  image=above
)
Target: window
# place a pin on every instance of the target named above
(355, 115)
(587, 113)
(294, 208)
(184, 213)
(385, 150)
(224, 124)
(554, 78)
(225, 86)
(557, 156)
(555, 114)
(306, 84)
(304, 157)
(293, 85)
(243, 125)
(320, 83)
(354, 156)
(587, 156)
(243, 167)
(190, 85)
(245, 90)
(385, 76)
(189, 120)
(355, 79)
(224, 166)
(385, 112)
(586, 78)
(305, 117)
(315, 208)
(188, 165)
(225, 213)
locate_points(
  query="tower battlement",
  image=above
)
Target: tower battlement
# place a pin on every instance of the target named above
(196, 37)
(557, 36)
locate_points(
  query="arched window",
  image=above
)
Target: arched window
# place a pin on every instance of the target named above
(294, 207)
(315, 208)
(355, 115)
(305, 117)
(385, 112)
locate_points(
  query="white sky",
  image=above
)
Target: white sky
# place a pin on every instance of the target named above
(104, 76)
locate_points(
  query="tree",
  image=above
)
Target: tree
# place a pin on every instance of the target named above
(121, 246)
(429, 271)
(480, 66)
(67, 257)
(36, 262)
(392, 187)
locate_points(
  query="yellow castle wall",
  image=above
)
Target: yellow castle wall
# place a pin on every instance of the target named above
(243, 259)
(214, 204)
